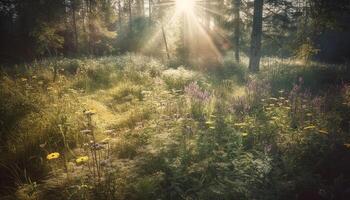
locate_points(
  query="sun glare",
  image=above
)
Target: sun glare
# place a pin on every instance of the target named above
(185, 5)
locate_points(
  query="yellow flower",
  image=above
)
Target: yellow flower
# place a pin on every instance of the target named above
(52, 156)
(347, 145)
(309, 127)
(244, 134)
(323, 131)
(82, 159)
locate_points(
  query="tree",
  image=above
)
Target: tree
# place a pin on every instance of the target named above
(74, 6)
(256, 35)
(237, 18)
(130, 15)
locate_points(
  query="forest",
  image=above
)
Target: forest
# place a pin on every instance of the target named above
(174, 99)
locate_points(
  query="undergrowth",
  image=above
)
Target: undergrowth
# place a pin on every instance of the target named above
(129, 127)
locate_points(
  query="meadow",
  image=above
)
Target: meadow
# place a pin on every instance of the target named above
(133, 127)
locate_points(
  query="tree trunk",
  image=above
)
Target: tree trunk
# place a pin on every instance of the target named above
(207, 14)
(142, 8)
(255, 45)
(150, 11)
(75, 27)
(120, 18)
(130, 16)
(165, 42)
(237, 28)
(139, 7)
(84, 16)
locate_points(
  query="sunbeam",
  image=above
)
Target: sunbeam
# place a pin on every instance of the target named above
(183, 24)
(185, 5)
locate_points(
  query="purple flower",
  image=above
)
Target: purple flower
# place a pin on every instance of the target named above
(195, 92)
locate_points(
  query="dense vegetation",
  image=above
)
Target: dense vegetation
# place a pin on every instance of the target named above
(174, 100)
(153, 132)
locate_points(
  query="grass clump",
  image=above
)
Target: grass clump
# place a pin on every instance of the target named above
(126, 92)
(178, 78)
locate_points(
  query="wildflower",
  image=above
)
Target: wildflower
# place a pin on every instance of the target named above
(82, 159)
(244, 134)
(195, 92)
(323, 131)
(52, 156)
(309, 127)
(212, 127)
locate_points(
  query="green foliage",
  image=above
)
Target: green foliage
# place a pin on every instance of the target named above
(173, 136)
(178, 78)
(306, 51)
(47, 39)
